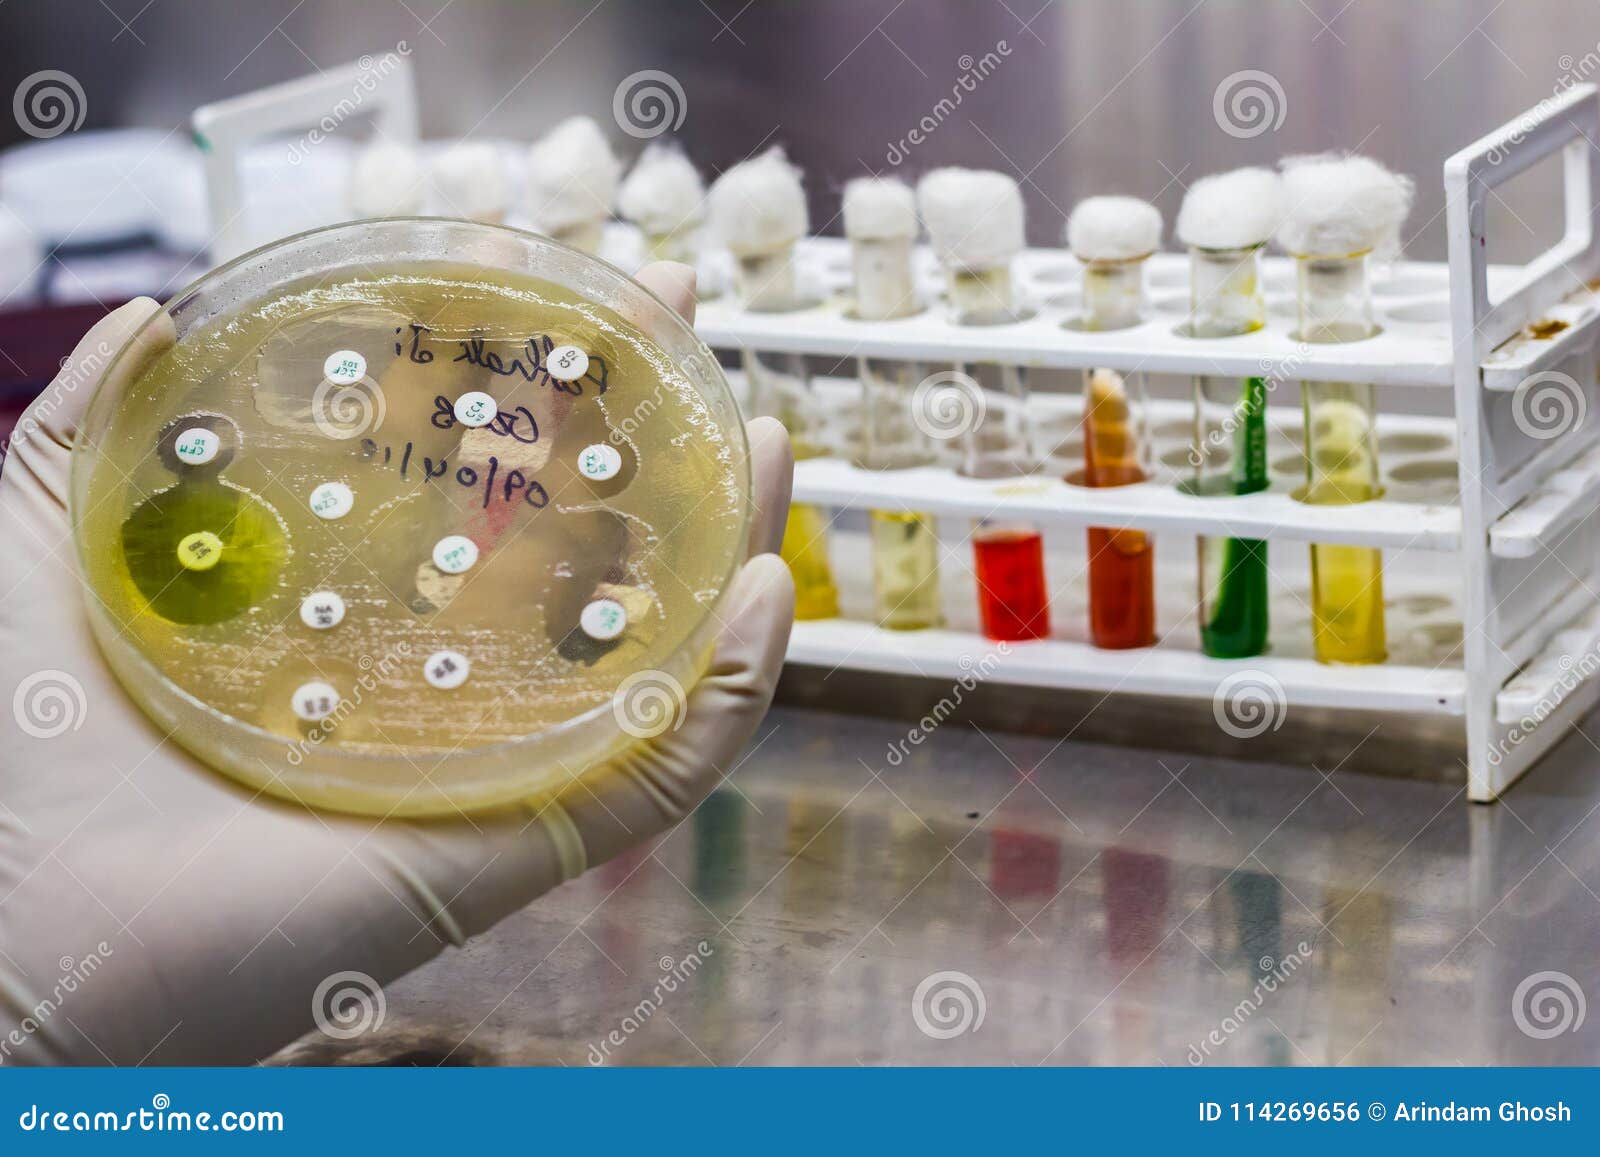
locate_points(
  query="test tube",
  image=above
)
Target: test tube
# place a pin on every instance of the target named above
(1226, 221)
(805, 549)
(758, 209)
(1341, 465)
(1113, 236)
(572, 182)
(905, 570)
(1013, 598)
(664, 196)
(1339, 211)
(880, 219)
(975, 220)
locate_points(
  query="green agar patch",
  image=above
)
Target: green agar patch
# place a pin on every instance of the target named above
(159, 536)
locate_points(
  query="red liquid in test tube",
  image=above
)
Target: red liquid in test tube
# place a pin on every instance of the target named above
(1013, 601)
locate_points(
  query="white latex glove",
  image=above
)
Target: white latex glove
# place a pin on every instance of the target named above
(153, 911)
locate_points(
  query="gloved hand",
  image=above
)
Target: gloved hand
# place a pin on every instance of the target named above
(153, 911)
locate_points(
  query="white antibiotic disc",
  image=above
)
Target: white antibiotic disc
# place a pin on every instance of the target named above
(446, 670)
(475, 408)
(314, 701)
(566, 363)
(332, 500)
(455, 553)
(603, 619)
(321, 610)
(344, 367)
(196, 446)
(599, 462)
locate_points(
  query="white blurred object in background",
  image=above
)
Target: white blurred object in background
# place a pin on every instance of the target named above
(94, 188)
(386, 180)
(20, 258)
(100, 216)
(282, 197)
(665, 197)
(180, 196)
(469, 179)
(572, 182)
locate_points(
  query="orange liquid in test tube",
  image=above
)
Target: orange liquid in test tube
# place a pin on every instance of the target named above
(1122, 610)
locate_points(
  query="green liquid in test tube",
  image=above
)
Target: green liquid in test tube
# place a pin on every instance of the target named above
(1230, 452)
(1233, 571)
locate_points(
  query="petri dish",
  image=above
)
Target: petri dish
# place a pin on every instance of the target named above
(411, 516)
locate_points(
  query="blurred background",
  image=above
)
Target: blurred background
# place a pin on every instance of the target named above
(1088, 95)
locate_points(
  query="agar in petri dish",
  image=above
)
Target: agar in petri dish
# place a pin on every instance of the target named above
(345, 526)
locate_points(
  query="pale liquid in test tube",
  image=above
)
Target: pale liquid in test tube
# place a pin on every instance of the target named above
(905, 545)
(905, 570)
(889, 438)
(780, 387)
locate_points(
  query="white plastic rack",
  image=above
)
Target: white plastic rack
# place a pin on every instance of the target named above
(1515, 346)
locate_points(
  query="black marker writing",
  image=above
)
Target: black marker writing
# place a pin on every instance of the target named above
(416, 353)
(515, 484)
(505, 423)
(528, 363)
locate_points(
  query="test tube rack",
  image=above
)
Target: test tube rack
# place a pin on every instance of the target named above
(1518, 544)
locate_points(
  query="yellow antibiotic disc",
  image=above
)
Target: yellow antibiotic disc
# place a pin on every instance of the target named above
(201, 550)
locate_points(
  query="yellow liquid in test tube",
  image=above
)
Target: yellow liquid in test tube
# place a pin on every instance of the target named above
(805, 549)
(1346, 581)
(1347, 604)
